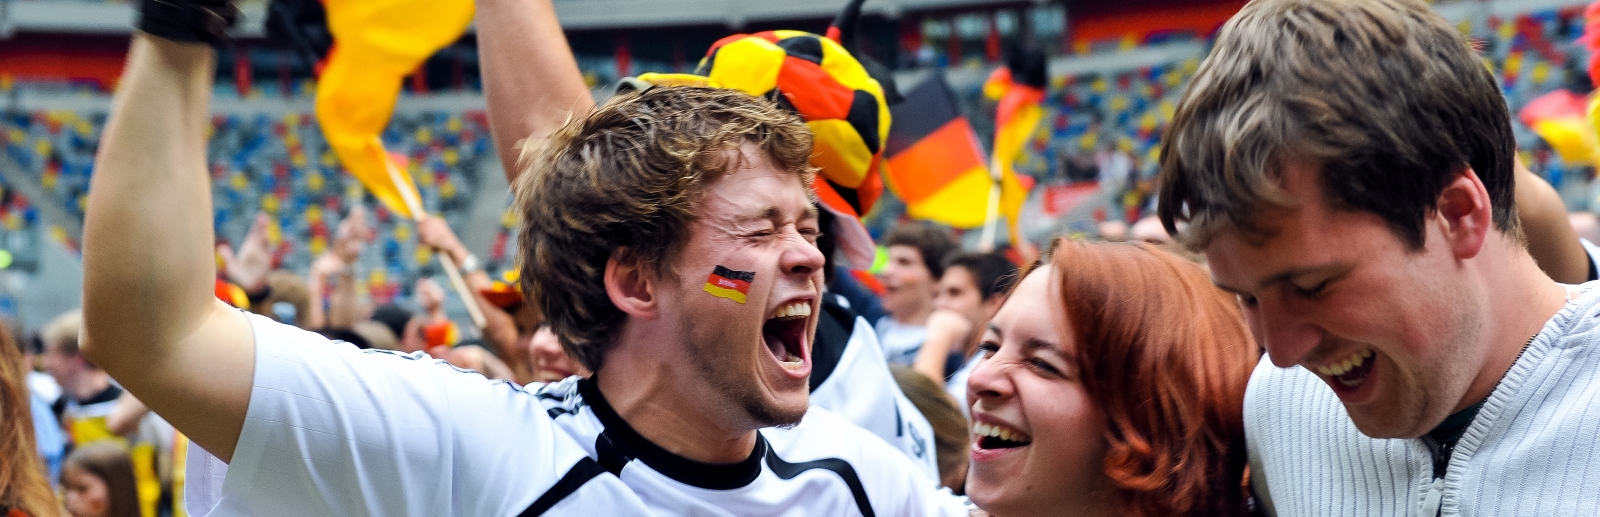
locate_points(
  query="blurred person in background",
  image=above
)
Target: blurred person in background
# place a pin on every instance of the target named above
(41, 385)
(95, 409)
(1112, 230)
(1088, 396)
(278, 294)
(248, 264)
(974, 285)
(337, 294)
(438, 332)
(911, 280)
(509, 322)
(87, 393)
(405, 325)
(950, 428)
(287, 300)
(24, 487)
(1148, 229)
(98, 481)
(550, 361)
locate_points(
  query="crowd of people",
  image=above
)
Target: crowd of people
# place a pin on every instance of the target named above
(1352, 298)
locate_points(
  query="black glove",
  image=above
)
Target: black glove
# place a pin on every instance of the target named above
(189, 21)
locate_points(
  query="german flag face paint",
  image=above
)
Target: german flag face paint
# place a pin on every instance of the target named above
(730, 284)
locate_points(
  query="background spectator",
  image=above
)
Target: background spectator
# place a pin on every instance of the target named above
(916, 250)
(98, 481)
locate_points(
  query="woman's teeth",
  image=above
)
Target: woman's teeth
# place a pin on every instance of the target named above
(1010, 435)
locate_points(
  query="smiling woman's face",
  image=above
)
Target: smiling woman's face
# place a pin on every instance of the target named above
(1038, 439)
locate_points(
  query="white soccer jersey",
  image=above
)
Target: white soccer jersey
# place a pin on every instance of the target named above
(854, 382)
(823, 466)
(333, 430)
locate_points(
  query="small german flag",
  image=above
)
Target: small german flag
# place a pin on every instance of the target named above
(730, 284)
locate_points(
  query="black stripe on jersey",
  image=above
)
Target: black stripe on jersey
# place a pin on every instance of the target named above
(581, 473)
(846, 472)
(610, 457)
(626, 445)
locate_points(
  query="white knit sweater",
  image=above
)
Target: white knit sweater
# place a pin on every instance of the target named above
(1531, 450)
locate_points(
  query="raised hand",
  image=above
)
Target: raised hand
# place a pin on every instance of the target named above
(353, 235)
(248, 267)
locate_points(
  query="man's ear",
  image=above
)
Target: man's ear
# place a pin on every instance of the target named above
(1465, 214)
(630, 287)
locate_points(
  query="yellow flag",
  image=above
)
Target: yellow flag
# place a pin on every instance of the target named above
(376, 44)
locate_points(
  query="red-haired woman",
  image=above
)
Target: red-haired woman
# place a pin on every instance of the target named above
(24, 491)
(1113, 385)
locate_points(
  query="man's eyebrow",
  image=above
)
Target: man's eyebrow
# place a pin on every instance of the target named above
(769, 212)
(1281, 277)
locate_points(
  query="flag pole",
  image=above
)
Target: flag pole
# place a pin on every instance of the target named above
(414, 205)
(991, 217)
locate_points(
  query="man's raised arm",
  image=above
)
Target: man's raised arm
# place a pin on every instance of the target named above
(530, 78)
(150, 318)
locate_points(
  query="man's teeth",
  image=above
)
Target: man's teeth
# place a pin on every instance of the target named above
(792, 310)
(790, 360)
(1355, 360)
(982, 429)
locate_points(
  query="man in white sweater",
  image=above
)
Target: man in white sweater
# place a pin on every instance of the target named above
(1347, 167)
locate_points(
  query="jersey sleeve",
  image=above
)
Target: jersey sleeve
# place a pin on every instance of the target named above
(334, 430)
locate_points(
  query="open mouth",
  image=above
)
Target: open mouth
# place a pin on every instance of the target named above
(1350, 372)
(784, 333)
(999, 437)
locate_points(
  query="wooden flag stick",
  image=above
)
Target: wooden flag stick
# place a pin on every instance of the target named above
(414, 204)
(992, 212)
(454, 272)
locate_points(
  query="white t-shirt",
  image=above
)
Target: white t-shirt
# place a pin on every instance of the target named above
(900, 341)
(333, 430)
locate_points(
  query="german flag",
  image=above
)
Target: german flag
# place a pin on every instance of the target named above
(1020, 88)
(730, 284)
(936, 163)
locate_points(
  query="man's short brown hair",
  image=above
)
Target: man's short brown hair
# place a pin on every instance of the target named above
(628, 180)
(1385, 97)
(932, 241)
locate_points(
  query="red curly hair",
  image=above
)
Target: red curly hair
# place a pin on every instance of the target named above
(1166, 356)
